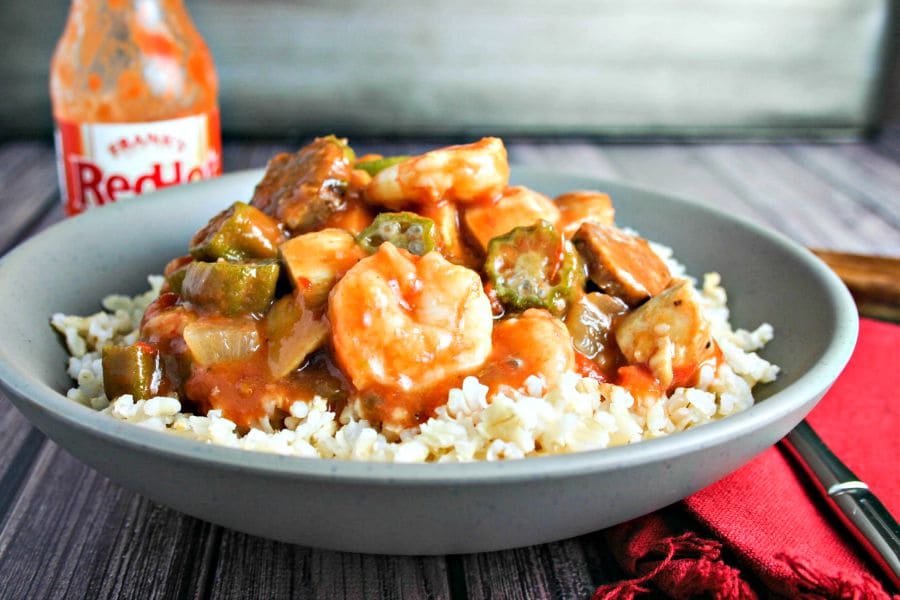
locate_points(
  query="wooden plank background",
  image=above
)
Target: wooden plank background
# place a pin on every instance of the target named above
(403, 67)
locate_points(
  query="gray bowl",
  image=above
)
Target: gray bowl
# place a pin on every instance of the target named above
(415, 509)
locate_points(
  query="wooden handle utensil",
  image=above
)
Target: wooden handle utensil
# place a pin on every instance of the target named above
(874, 281)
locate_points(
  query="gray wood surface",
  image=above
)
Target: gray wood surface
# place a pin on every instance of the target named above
(67, 532)
(706, 67)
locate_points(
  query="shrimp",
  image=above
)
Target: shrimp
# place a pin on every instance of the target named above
(517, 207)
(669, 334)
(534, 343)
(460, 174)
(403, 323)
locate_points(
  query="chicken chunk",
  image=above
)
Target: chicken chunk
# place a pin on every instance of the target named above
(316, 261)
(517, 207)
(621, 264)
(580, 207)
(304, 189)
(669, 334)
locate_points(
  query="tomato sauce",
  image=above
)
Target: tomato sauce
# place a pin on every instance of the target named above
(245, 390)
(639, 380)
(241, 389)
(401, 407)
(585, 367)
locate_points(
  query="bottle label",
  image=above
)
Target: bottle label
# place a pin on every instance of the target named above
(101, 163)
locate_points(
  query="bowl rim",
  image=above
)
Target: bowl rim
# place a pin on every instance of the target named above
(25, 387)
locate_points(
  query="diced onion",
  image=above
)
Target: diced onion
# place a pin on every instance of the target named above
(220, 340)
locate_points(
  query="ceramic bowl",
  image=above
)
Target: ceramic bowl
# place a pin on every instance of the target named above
(401, 508)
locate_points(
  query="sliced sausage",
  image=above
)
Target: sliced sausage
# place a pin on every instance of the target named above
(621, 264)
(304, 189)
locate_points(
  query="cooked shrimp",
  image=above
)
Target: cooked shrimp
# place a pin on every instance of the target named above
(457, 174)
(517, 207)
(669, 334)
(534, 343)
(402, 322)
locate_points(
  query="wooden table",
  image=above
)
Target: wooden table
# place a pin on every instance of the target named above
(68, 532)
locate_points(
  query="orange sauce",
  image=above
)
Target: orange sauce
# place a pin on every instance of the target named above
(237, 388)
(505, 367)
(684, 376)
(639, 380)
(245, 390)
(354, 217)
(585, 367)
(162, 303)
(407, 408)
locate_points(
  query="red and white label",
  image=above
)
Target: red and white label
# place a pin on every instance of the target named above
(101, 163)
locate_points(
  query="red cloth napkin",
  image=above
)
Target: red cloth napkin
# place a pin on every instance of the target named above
(766, 523)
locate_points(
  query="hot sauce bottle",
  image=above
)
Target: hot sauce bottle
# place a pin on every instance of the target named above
(134, 94)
